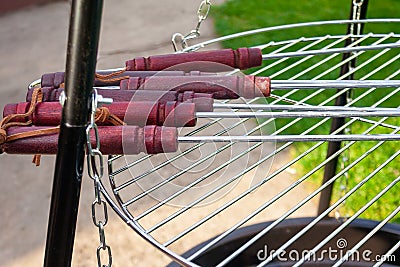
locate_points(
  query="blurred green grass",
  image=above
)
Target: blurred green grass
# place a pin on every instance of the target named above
(241, 15)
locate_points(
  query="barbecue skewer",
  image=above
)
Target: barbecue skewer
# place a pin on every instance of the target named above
(233, 82)
(130, 140)
(231, 87)
(219, 87)
(176, 114)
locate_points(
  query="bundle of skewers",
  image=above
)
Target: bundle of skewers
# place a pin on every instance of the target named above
(146, 102)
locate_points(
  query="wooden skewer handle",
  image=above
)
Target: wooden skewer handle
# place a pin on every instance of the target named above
(202, 101)
(114, 140)
(221, 87)
(242, 58)
(172, 113)
(55, 79)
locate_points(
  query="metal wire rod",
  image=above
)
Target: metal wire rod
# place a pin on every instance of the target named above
(294, 114)
(298, 107)
(316, 84)
(290, 138)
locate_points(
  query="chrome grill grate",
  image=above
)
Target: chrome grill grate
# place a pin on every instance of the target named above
(210, 190)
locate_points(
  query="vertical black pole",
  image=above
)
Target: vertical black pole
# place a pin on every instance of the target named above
(83, 41)
(341, 100)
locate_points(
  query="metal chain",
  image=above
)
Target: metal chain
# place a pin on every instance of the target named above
(355, 29)
(96, 171)
(180, 41)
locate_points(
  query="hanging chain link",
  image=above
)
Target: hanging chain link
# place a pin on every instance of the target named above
(96, 171)
(180, 41)
(355, 29)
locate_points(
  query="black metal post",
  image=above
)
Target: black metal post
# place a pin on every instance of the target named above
(341, 100)
(83, 41)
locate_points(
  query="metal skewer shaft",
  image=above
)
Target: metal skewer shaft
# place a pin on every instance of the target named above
(289, 138)
(308, 114)
(300, 84)
(318, 84)
(299, 107)
(330, 51)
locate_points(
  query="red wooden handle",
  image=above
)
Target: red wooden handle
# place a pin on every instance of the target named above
(56, 78)
(114, 140)
(221, 87)
(203, 102)
(140, 113)
(242, 58)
